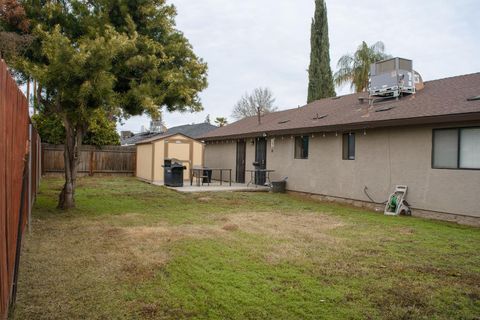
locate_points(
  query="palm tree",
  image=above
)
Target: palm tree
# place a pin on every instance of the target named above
(354, 69)
(221, 121)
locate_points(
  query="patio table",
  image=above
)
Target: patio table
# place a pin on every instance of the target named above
(197, 172)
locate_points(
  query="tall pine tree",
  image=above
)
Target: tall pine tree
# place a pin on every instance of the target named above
(320, 75)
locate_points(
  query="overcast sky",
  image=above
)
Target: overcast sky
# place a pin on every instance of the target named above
(252, 43)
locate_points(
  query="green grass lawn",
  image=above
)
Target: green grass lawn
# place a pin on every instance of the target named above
(135, 251)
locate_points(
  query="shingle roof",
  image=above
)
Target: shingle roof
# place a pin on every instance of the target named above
(191, 130)
(139, 137)
(441, 100)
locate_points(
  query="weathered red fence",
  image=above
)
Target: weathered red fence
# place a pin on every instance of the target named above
(19, 177)
(105, 160)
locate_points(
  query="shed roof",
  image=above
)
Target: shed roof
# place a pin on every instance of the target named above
(443, 100)
(191, 130)
(164, 136)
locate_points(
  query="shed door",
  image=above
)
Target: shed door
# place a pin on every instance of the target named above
(241, 153)
(261, 158)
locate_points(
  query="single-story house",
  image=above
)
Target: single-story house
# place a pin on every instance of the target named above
(355, 149)
(195, 131)
(152, 152)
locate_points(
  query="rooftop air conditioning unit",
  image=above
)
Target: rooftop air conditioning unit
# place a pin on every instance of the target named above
(391, 78)
(157, 126)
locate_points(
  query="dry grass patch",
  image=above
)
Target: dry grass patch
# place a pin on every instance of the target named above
(304, 226)
(230, 227)
(142, 250)
(287, 236)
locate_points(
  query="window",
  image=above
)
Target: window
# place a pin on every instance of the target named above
(301, 147)
(456, 148)
(349, 146)
(445, 146)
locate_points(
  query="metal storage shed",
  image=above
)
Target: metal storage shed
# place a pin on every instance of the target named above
(151, 154)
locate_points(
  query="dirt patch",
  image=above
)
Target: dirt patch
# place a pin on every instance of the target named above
(149, 310)
(204, 199)
(230, 227)
(406, 231)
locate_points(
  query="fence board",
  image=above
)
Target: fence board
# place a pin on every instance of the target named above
(14, 154)
(110, 160)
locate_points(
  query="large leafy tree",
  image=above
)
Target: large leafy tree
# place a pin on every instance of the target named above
(250, 104)
(354, 68)
(101, 131)
(117, 57)
(320, 83)
(14, 28)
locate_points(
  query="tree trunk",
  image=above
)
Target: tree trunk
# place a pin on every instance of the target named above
(73, 141)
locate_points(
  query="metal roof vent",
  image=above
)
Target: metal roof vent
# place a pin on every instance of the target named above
(385, 108)
(391, 78)
(474, 98)
(318, 117)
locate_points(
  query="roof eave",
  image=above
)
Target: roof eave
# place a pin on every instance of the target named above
(461, 117)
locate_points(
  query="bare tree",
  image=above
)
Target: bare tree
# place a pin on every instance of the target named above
(260, 100)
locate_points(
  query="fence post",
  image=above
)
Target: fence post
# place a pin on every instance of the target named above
(42, 162)
(29, 207)
(91, 164)
(135, 164)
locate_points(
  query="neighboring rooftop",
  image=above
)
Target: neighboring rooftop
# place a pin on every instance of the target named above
(191, 130)
(441, 101)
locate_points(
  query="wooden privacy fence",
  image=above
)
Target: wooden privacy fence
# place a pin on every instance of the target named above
(19, 178)
(111, 160)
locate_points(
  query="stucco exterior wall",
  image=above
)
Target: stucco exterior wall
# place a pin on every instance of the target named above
(221, 155)
(383, 158)
(144, 162)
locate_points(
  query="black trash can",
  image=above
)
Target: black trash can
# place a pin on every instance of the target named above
(279, 186)
(207, 174)
(173, 173)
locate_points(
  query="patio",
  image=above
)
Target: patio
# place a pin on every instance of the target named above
(215, 186)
